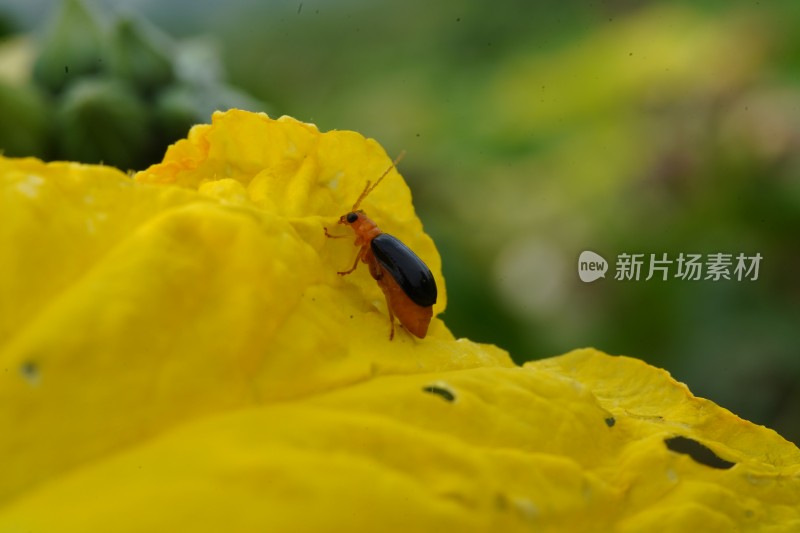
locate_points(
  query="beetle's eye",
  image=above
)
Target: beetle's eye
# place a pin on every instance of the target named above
(351, 217)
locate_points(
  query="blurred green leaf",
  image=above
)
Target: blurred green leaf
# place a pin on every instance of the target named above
(141, 54)
(72, 46)
(26, 121)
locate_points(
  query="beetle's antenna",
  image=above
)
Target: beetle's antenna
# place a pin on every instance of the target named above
(369, 189)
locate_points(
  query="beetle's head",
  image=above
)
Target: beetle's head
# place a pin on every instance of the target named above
(351, 217)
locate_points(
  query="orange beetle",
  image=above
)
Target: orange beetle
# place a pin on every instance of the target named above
(406, 282)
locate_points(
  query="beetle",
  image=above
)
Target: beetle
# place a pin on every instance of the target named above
(406, 281)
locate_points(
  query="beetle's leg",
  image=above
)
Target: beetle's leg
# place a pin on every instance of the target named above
(328, 235)
(346, 272)
(391, 320)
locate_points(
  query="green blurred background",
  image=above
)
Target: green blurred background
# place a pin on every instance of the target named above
(535, 130)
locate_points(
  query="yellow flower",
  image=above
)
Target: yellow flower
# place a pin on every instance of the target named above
(179, 354)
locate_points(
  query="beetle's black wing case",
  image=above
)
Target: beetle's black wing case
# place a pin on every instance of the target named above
(408, 270)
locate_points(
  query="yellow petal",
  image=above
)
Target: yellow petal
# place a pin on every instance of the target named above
(179, 354)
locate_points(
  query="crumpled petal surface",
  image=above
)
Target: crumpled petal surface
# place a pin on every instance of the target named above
(178, 354)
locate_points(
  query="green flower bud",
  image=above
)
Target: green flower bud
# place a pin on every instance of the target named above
(25, 125)
(141, 54)
(103, 121)
(72, 47)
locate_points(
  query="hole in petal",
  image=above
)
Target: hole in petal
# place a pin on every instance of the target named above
(697, 451)
(610, 421)
(30, 371)
(441, 390)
